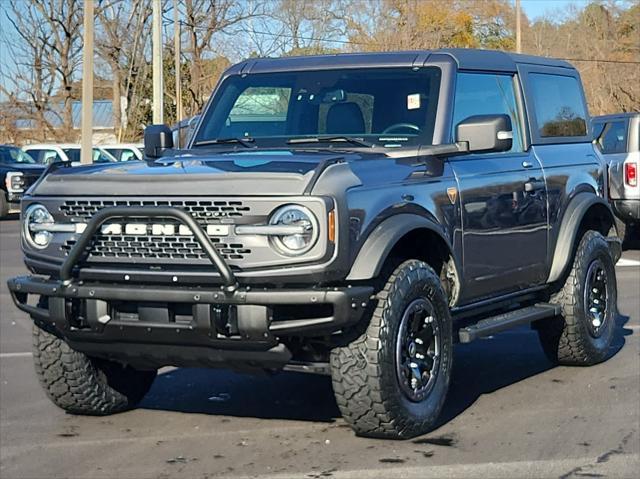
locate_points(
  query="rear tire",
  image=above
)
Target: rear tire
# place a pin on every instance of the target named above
(392, 380)
(83, 385)
(583, 333)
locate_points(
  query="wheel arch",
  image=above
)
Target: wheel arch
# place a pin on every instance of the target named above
(586, 211)
(407, 236)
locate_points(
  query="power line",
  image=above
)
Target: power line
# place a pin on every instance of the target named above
(628, 62)
(373, 44)
(352, 42)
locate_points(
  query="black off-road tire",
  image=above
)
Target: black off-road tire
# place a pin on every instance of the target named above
(365, 382)
(4, 205)
(83, 385)
(567, 339)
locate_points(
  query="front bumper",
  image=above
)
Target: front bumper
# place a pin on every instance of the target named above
(149, 325)
(155, 326)
(14, 197)
(627, 210)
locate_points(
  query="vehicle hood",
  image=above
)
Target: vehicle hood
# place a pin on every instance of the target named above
(261, 172)
(26, 168)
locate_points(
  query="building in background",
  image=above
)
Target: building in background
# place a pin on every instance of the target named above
(24, 124)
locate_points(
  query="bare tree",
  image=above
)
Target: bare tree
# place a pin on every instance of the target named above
(603, 41)
(204, 19)
(47, 56)
(121, 39)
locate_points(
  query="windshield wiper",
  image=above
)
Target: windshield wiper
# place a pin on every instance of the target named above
(325, 139)
(246, 142)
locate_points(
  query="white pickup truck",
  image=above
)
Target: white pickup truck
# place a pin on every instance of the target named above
(51, 153)
(618, 137)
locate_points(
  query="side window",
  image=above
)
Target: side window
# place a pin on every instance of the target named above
(259, 111)
(487, 94)
(127, 155)
(614, 138)
(100, 157)
(559, 108)
(45, 157)
(73, 154)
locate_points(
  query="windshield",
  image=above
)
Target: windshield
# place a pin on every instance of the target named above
(389, 107)
(15, 155)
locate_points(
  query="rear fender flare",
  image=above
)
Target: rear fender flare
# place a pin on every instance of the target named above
(571, 221)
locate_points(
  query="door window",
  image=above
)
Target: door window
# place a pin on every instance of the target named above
(487, 94)
(45, 157)
(73, 154)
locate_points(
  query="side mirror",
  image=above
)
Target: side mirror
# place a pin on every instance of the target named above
(486, 133)
(157, 138)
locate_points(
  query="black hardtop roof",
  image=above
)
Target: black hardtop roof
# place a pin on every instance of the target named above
(615, 116)
(465, 58)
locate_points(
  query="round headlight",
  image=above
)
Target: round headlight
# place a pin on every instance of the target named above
(33, 216)
(298, 243)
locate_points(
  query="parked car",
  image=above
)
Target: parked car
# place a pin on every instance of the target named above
(618, 137)
(18, 171)
(352, 215)
(48, 153)
(124, 151)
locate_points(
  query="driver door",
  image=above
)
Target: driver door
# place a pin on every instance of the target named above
(503, 198)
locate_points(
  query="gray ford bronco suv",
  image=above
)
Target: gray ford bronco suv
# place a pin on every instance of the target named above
(352, 215)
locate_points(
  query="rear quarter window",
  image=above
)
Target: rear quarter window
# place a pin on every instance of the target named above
(614, 138)
(559, 107)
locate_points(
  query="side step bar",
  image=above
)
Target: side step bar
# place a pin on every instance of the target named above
(504, 321)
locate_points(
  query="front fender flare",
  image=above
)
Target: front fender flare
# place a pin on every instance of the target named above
(383, 238)
(573, 216)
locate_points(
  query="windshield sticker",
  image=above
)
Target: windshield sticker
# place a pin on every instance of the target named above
(413, 101)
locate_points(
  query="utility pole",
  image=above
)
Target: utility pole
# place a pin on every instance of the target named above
(86, 131)
(158, 113)
(518, 28)
(176, 47)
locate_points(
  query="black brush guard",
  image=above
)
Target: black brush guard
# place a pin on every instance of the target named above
(227, 324)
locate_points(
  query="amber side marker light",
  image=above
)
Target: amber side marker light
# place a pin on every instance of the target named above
(332, 226)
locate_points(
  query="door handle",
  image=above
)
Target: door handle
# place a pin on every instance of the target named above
(534, 185)
(527, 164)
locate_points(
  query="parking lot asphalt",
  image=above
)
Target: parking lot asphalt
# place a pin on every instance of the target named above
(509, 414)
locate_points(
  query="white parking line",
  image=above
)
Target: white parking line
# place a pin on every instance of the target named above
(628, 262)
(15, 355)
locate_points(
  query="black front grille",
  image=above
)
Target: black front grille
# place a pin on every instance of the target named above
(203, 211)
(157, 247)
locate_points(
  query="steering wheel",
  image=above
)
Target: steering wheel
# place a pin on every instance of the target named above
(399, 126)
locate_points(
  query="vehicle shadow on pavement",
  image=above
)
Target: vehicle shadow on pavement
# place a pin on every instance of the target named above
(488, 365)
(285, 395)
(480, 368)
